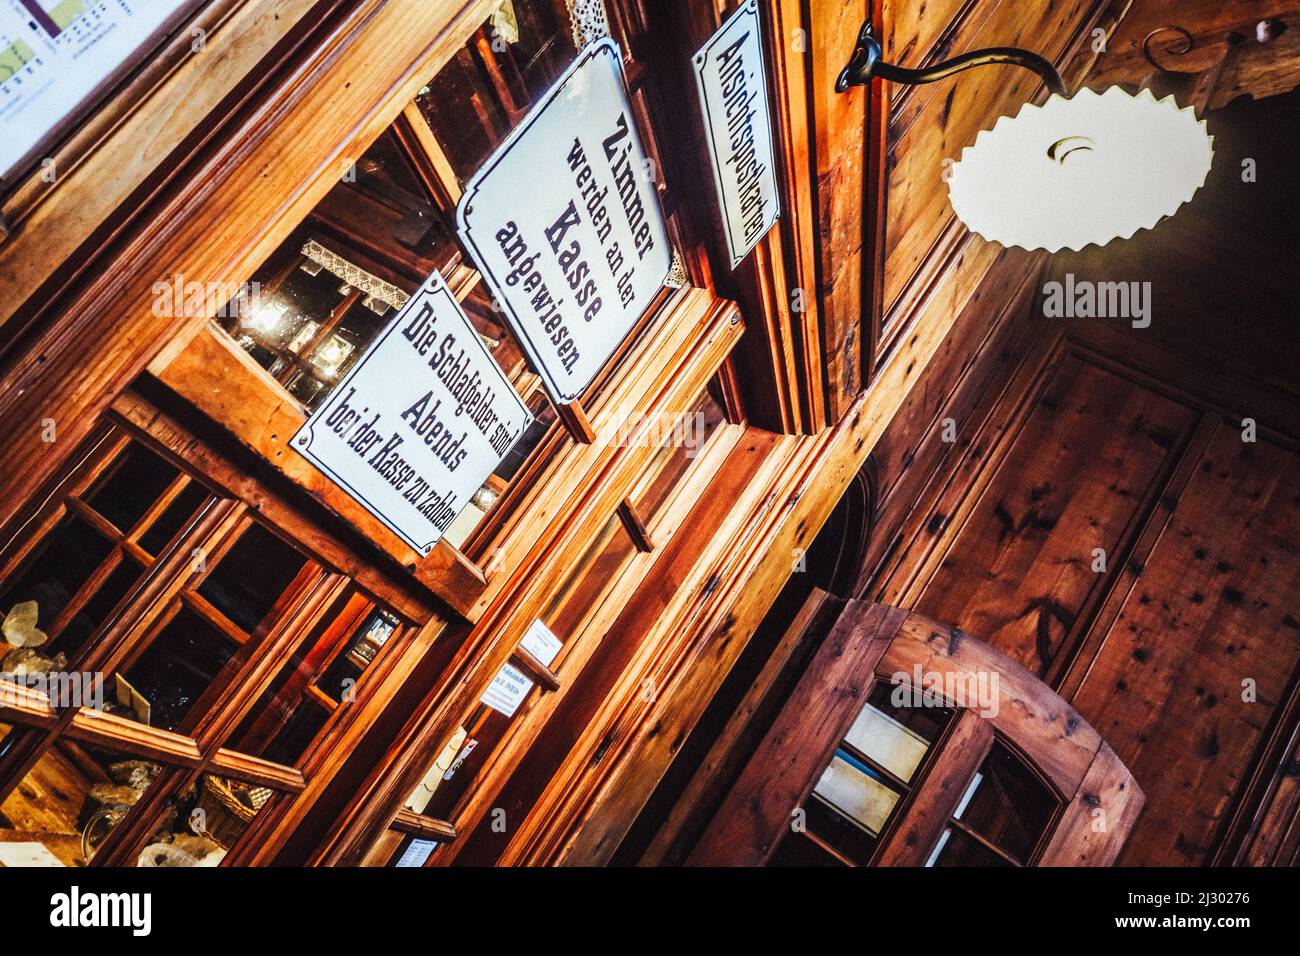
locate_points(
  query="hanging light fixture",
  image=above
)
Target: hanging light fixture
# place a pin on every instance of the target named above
(1079, 169)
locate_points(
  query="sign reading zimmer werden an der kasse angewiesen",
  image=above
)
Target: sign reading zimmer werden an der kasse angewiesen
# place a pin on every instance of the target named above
(565, 225)
(733, 97)
(419, 422)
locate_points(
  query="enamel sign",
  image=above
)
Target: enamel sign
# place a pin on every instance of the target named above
(420, 420)
(564, 223)
(733, 96)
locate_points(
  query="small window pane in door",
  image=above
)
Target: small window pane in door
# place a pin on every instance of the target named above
(179, 665)
(133, 483)
(1007, 804)
(957, 849)
(851, 787)
(887, 742)
(797, 850)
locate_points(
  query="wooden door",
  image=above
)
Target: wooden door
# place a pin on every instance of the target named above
(910, 743)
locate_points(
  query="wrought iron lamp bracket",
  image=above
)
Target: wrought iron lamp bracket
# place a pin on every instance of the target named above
(866, 63)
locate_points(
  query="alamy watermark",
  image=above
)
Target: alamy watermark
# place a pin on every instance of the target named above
(221, 300)
(1084, 299)
(634, 429)
(63, 689)
(973, 690)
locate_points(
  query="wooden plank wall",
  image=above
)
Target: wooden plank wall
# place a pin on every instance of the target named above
(1184, 649)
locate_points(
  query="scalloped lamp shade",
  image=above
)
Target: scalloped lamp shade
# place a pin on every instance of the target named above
(1088, 169)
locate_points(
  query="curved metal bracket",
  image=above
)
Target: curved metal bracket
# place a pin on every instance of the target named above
(866, 63)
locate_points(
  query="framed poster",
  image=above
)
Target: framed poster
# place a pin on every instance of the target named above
(56, 54)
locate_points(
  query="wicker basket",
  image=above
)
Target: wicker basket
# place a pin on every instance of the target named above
(228, 808)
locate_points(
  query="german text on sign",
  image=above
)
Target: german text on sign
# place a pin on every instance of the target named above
(419, 422)
(564, 223)
(733, 95)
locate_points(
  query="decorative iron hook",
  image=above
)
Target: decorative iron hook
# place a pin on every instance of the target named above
(866, 63)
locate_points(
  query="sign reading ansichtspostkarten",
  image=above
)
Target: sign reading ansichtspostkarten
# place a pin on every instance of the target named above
(565, 225)
(420, 420)
(733, 95)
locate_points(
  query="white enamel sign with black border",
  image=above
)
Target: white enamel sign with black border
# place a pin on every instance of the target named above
(564, 223)
(732, 84)
(419, 422)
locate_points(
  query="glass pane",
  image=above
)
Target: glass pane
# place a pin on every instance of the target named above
(465, 755)
(683, 441)
(342, 676)
(68, 803)
(847, 838)
(61, 564)
(957, 849)
(324, 295)
(486, 89)
(299, 731)
(174, 517)
(130, 486)
(292, 711)
(174, 671)
(544, 417)
(252, 576)
(925, 720)
(882, 732)
(213, 817)
(96, 610)
(1007, 804)
(798, 850)
(857, 792)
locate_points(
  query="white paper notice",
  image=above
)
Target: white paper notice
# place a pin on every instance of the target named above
(420, 420)
(564, 222)
(417, 853)
(54, 53)
(733, 95)
(509, 687)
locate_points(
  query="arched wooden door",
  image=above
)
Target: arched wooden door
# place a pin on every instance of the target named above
(909, 743)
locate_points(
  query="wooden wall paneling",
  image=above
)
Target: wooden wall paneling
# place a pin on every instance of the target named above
(840, 156)
(717, 772)
(794, 246)
(976, 364)
(1088, 633)
(1263, 826)
(1024, 567)
(780, 775)
(1209, 612)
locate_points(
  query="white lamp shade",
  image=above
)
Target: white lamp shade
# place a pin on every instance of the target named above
(1083, 170)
